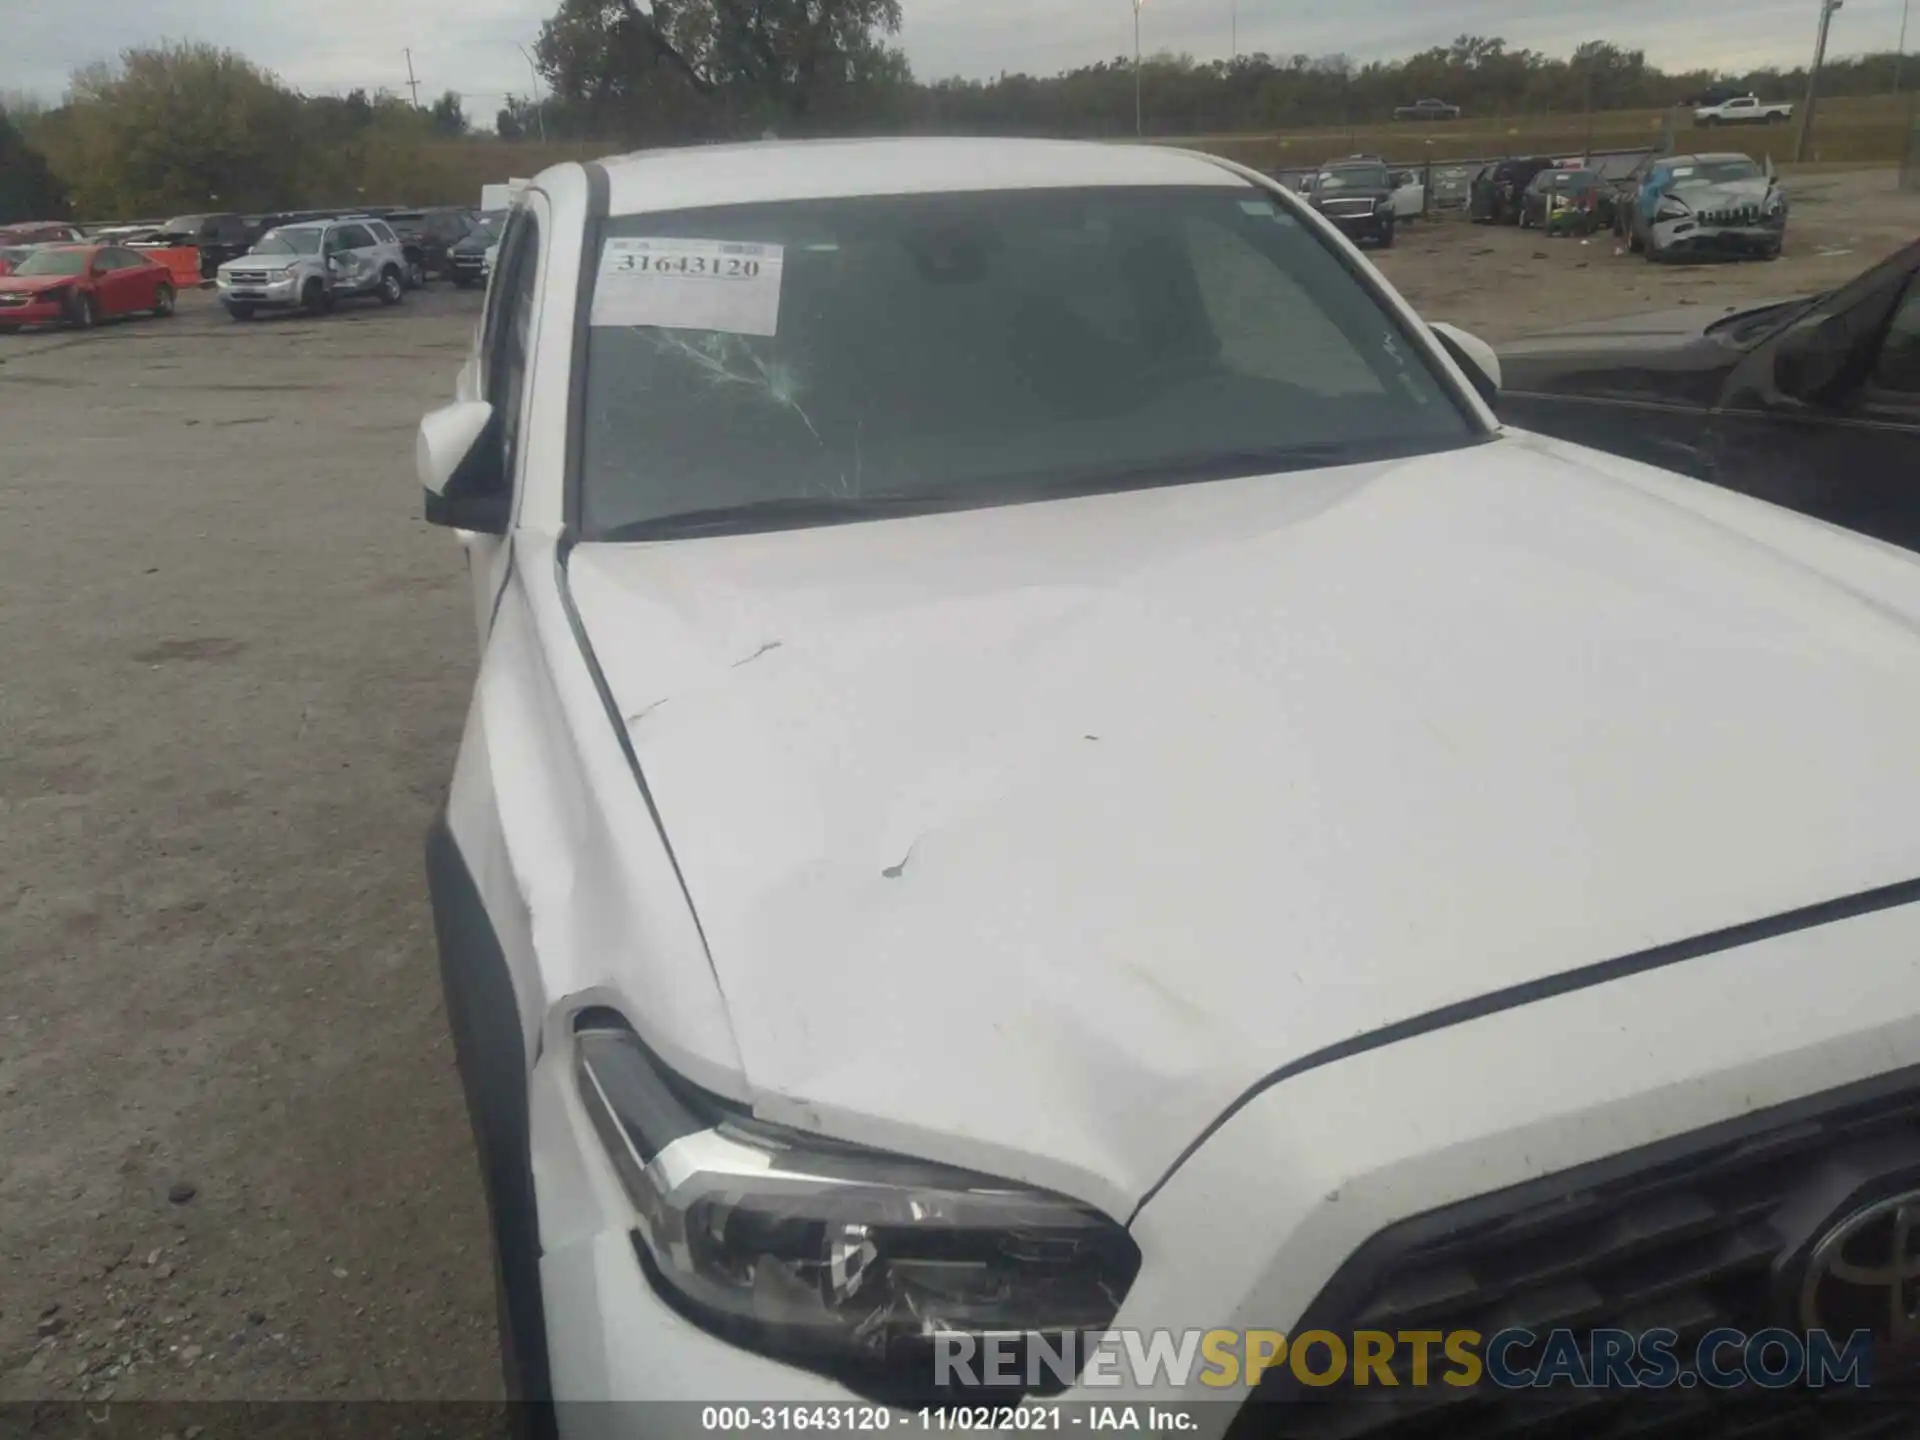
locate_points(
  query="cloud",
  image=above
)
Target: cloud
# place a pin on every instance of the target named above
(470, 45)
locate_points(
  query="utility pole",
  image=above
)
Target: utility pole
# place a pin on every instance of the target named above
(1139, 124)
(413, 84)
(1236, 32)
(539, 107)
(1827, 9)
(1588, 68)
(1900, 54)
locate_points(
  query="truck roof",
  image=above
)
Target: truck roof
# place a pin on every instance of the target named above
(773, 170)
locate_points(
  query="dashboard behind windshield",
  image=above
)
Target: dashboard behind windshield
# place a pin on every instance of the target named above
(1355, 178)
(289, 242)
(952, 344)
(55, 262)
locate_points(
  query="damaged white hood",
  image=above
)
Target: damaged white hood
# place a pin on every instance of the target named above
(1029, 838)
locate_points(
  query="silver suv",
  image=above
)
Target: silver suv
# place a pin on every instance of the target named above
(314, 265)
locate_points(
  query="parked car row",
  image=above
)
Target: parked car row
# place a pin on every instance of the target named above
(312, 261)
(426, 234)
(1667, 207)
(314, 265)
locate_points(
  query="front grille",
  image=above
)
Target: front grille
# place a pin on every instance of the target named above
(247, 277)
(15, 301)
(1684, 1236)
(1349, 209)
(1738, 215)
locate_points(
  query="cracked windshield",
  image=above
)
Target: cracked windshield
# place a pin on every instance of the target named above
(976, 347)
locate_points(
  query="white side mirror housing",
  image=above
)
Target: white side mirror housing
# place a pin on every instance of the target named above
(447, 436)
(1473, 350)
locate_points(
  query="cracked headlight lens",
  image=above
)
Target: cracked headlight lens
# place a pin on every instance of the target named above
(842, 1259)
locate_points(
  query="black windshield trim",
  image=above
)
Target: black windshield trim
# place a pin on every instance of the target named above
(758, 519)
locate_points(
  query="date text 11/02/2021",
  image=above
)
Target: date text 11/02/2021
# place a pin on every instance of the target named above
(1123, 1419)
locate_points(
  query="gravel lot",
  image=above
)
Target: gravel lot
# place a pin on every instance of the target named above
(233, 668)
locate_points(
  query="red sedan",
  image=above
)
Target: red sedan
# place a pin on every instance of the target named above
(81, 285)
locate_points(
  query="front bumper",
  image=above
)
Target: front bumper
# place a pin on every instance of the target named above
(33, 310)
(1373, 225)
(283, 294)
(1693, 237)
(470, 269)
(1262, 1225)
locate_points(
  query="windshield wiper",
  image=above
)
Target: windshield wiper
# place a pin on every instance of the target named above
(795, 512)
(788, 512)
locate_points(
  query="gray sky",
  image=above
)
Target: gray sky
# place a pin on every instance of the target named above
(469, 45)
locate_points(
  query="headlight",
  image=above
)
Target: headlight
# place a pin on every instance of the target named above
(1671, 209)
(1776, 203)
(841, 1259)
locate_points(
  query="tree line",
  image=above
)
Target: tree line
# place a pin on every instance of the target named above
(184, 127)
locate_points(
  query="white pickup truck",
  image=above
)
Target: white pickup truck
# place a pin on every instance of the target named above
(1743, 110)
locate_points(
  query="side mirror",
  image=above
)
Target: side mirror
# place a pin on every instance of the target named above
(1474, 357)
(457, 455)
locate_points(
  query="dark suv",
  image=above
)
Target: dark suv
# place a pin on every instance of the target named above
(1497, 190)
(219, 238)
(1357, 196)
(428, 235)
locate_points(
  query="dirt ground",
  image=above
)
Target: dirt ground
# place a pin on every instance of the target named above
(1502, 282)
(233, 667)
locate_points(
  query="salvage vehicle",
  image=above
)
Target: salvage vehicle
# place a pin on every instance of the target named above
(40, 232)
(81, 285)
(469, 259)
(1562, 202)
(1495, 196)
(427, 236)
(219, 238)
(1358, 197)
(1021, 689)
(1427, 110)
(1692, 206)
(313, 266)
(1743, 110)
(1813, 404)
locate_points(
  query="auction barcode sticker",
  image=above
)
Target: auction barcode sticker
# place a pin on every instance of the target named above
(727, 285)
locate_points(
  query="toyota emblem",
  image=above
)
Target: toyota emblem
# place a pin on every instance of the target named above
(1864, 1274)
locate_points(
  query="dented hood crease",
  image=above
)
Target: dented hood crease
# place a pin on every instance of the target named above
(1048, 830)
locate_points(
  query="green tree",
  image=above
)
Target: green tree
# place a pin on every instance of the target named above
(748, 63)
(29, 189)
(449, 116)
(189, 126)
